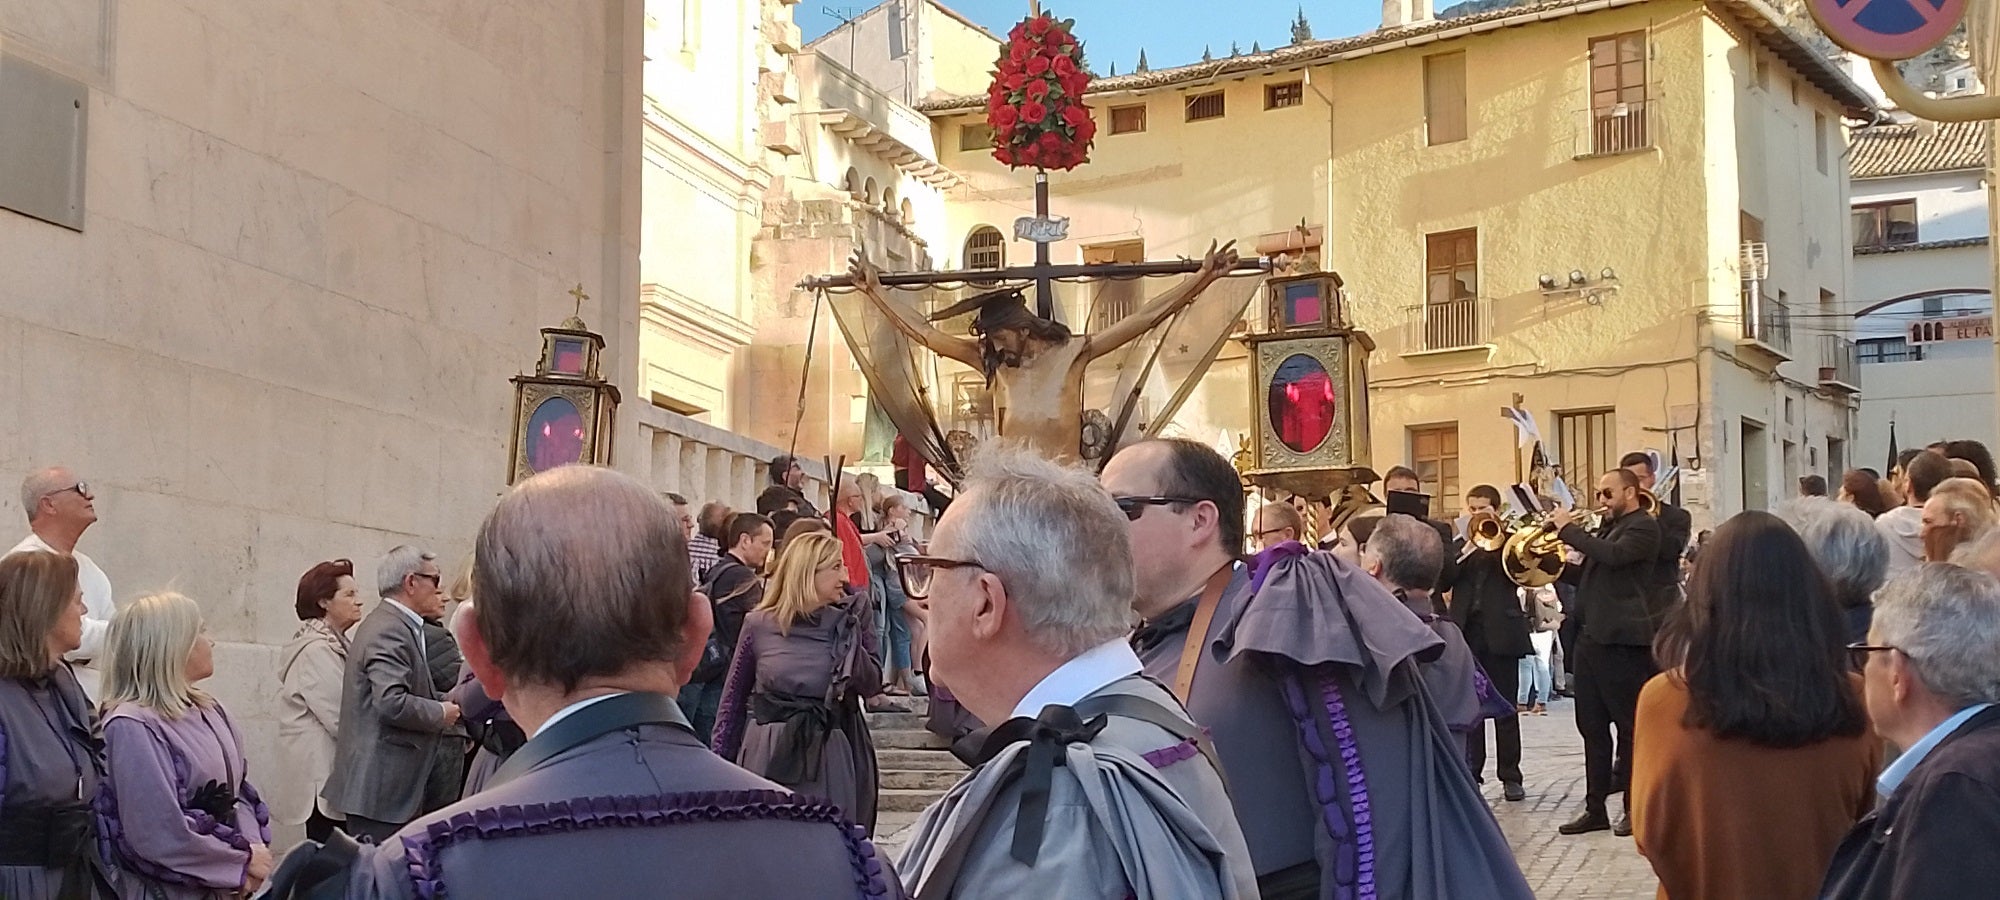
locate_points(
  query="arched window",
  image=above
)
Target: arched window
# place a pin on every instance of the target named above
(889, 198)
(852, 182)
(909, 213)
(868, 192)
(985, 248)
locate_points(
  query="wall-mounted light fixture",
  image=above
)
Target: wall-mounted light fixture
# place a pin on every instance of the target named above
(1579, 284)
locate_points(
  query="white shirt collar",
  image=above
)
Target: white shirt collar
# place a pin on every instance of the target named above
(1893, 777)
(408, 613)
(1080, 677)
(575, 708)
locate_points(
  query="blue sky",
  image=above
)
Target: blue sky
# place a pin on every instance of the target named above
(1172, 32)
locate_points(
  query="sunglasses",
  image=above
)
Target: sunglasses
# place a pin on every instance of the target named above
(437, 581)
(82, 489)
(1858, 652)
(1134, 507)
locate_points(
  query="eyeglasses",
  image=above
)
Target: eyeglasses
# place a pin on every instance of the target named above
(437, 581)
(916, 572)
(1605, 493)
(1857, 653)
(1134, 507)
(82, 489)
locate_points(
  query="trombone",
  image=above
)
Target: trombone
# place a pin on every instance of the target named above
(1533, 556)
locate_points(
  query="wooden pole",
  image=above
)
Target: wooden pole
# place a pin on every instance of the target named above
(1044, 286)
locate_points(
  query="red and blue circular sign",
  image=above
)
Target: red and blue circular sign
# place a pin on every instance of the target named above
(1887, 29)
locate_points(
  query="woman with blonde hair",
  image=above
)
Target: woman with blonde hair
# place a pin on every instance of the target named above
(1959, 511)
(791, 707)
(48, 763)
(178, 808)
(311, 671)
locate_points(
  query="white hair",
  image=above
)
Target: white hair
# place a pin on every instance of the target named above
(1981, 554)
(1411, 552)
(1058, 543)
(1946, 619)
(1850, 550)
(147, 653)
(39, 484)
(397, 566)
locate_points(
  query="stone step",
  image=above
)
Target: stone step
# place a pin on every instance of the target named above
(895, 721)
(902, 739)
(935, 782)
(905, 800)
(918, 760)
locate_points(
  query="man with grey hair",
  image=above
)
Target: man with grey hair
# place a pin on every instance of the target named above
(1096, 783)
(585, 627)
(1850, 550)
(1931, 679)
(392, 713)
(60, 507)
(1403, 554)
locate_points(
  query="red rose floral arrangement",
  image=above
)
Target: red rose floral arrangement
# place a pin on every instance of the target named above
(1036, 102)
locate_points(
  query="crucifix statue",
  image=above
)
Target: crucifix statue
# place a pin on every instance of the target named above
(1034, 365)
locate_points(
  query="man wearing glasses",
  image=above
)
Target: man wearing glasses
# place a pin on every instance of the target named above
(391, 714)
(1095, 783)
(60, 508)
(1931, 680)
(1617, 616)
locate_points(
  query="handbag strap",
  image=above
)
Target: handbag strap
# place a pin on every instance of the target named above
(620, 712)
(1197, 633)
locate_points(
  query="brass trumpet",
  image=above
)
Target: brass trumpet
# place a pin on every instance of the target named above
(1649, 504)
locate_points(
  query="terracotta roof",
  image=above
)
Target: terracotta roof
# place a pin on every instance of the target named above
(1911, 148)
(1953, 244)
(1757, 14)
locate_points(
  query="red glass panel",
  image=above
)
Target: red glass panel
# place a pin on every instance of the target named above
(568, 358)
(555, 435)
(1301, 402)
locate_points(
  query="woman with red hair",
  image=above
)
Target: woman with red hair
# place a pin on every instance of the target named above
(310, 672)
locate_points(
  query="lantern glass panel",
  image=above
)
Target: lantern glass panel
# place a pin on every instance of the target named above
(1303, 307)
(568, 357)
(555, 435)
(1301, 402)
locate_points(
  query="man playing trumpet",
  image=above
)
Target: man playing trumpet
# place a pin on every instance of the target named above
(1615, 605)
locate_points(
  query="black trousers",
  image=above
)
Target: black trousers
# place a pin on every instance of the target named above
(375, 830)
(1608, 680)
(1506, 677)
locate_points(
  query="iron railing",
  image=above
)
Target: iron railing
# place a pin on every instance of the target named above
(1766, 319)
(1450, 325)
(1840, 361)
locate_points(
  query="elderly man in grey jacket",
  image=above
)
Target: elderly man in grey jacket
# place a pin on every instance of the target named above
(391, 714)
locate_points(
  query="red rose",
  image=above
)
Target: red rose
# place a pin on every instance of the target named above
(1014, 81)
(1018, 53)
(1004, 155)
(1040, 25)
(1050, 142)
(1003, 118)
(1064, 67)
(1034, 113)
(1075, 83)
(1020, 31)
(1075, 116)
(1037, 89)
(1086, 131)
(1037, 65)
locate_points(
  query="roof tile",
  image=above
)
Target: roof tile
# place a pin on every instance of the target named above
(1911, 148)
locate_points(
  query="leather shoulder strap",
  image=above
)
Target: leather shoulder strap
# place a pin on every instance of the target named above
(587, 724)
(1128, 706)
(1197, 633)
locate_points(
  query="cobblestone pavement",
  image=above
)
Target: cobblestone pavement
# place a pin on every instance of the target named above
(1597, 866)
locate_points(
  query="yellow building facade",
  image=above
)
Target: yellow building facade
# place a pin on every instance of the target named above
(1627, 213)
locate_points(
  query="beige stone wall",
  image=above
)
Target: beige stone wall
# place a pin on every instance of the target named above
(319, 239)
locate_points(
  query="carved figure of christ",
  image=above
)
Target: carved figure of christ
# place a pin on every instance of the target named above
(1036, 371)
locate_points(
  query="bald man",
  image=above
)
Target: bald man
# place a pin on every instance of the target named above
(585, 629)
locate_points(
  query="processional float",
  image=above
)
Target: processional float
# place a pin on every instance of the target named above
(1078, 395)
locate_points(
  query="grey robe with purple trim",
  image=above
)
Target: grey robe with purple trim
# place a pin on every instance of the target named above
(1149, 820)
(1336, 755)
(1449, 677)
(645, 811)
(45, 750)
(165, 847)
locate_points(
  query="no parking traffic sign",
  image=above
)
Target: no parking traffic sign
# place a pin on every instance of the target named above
(1887, 29)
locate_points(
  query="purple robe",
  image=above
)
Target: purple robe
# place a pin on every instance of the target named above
(831, 652)
(147, 812)
(46, 755)
(640, 812)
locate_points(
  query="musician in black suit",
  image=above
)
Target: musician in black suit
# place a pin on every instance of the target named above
(1486, 604)
(1675, 527)
(1615, 605)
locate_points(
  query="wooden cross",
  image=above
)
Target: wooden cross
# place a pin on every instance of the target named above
(580, 296)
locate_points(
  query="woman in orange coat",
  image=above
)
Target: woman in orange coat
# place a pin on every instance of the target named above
(1753, 755)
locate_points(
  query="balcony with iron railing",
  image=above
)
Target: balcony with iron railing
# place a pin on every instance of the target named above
(1766, 324)
(1627, 127)
(1465, 324)
(1839, 364)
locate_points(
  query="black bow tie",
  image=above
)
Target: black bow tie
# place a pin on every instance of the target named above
(1048, 735)
(1155, 632)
